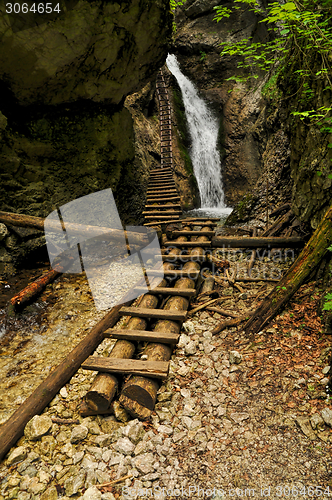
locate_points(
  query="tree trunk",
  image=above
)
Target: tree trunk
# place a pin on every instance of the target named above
(308, 260)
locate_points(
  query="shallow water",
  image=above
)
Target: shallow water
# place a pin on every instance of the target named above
(37, 339)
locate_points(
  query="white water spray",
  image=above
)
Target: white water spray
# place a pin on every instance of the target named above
(203, 129)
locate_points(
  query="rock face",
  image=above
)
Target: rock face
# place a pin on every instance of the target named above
(237, 106)
(64, 129)
(97, 51)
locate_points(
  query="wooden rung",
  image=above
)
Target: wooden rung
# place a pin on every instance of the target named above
(183, 258)
(161, 217)
(186, 244)
(141, 312)
(163, 206)
(184, 292)
(163, 191)
(161, 184)
(154, 369)
(162, 223)
(190, 233)
(165, 212)
(142, 336)
(165, 198)
(174, 274)
(158, 170)
(193, 219)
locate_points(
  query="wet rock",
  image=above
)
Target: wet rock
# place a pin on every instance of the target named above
(17, 455)
(78, 433)
(235, 358)
(37, 427)
(327, 416)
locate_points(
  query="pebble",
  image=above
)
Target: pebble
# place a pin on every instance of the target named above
(190, 348)
(37, 427)
(124, 446)
(92, 493)
(79, 433)
(327, 416)
(17, 455)
(235, 357)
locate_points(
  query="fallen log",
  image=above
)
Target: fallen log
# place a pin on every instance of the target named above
(89, 231)
(273, 242)
(203, 306)
(222, 312)
(228, 324)
(305, 264)
(33, 289)
(13, 429)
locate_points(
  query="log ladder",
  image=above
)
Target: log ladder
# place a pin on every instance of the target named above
(163, 201)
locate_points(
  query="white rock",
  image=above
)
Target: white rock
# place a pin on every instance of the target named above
(327, 416)
(78, 433)
(326, 370)
(37, 427)
(144, 463)
(17, 455)
(239, 417)
(77, 457)
(190, 348)
(63, 392)
(165, 429)
(235, 358)
(92, 493)
(183, 371)
(124, 446)
(134, 431)
(183, 340)
(189, 327)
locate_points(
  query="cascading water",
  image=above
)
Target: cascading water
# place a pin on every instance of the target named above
(203, 129)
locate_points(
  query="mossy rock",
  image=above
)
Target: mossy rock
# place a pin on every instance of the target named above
(242, 211)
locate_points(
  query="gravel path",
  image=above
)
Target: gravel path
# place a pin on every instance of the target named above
(231, 421)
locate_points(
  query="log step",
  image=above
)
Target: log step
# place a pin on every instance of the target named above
(162, 191)
(165, 212)
(161, 217)
(153, 369)
(256, 242)
(171, 205)
(141, 312)
(174, 274)
(162, 199)
(161, 185)
(185, 292)
(158, 223)
(190, 233)
(186, 244)
(142, 336)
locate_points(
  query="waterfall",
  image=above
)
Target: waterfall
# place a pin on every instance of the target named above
(203, 129)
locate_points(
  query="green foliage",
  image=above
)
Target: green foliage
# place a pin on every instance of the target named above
(203, 55)
(173, 5)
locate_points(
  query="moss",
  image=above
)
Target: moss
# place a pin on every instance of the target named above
(242, 211)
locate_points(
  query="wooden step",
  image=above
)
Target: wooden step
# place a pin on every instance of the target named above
(185, 292)
(190, 233)
(158, 170)
(174, 274)
(193, 219)
(153, 369)
(161, 217)
(164, 206)
(141, 312)
(142, 336)
(183, 258)
(165, 212)
(162, 199)
(172, 192)
(187, 244)
(160, 223)
(165, 185)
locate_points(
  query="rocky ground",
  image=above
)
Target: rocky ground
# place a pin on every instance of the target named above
(237, 417)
